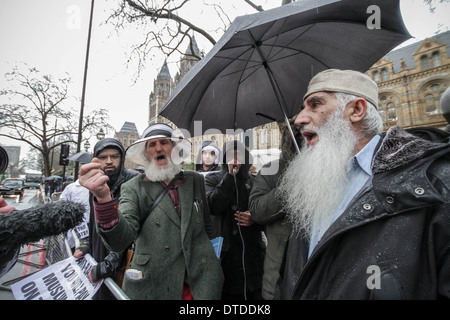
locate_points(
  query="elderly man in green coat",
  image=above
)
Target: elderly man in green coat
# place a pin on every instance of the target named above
(174, 258)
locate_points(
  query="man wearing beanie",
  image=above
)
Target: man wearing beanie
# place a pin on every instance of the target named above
(165, 213)
(208, 157)
(370, 211)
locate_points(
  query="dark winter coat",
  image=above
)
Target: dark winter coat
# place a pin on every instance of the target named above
(221, 194)
(393, 240)
(266, 210)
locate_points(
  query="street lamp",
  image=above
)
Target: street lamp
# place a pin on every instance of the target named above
(101, 134)
(87, 145)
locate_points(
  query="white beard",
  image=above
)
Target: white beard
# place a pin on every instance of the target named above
(155, 174)
(312, 185)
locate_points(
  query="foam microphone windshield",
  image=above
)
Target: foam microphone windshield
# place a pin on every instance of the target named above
(20, 227)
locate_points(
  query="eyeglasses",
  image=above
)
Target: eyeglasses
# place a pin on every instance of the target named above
(112, 156)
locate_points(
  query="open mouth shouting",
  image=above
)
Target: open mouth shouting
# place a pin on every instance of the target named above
(311, 136)
(161, 160)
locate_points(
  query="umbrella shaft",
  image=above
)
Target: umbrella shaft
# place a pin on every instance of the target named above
(280, 101)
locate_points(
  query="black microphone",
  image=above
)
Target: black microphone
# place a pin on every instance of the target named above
(20, 227)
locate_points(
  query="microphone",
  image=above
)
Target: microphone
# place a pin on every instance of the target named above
(20, 227)
(235, 170)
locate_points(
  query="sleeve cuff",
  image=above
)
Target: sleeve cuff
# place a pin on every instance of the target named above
(106, 213)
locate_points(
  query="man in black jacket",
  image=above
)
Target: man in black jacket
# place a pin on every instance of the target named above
(111, 155)
(243, 250)
(370, 211)
(267, 210)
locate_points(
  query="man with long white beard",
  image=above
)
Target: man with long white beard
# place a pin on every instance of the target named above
(369, 211)
(173, 258)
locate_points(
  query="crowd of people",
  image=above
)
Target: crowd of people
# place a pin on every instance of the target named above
(356, 213)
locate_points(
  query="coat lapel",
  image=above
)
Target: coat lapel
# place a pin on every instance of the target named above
(169, 209)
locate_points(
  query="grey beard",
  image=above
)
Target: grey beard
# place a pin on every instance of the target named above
(153, 173)
(312, 185)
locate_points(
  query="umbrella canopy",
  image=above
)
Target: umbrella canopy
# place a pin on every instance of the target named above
(82, 156)
(259, 70)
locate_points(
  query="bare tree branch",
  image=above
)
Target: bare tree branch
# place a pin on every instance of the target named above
(39, 113)
(259, 8)
(167, 25)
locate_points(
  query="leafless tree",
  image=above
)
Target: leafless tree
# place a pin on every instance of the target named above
(37, 111)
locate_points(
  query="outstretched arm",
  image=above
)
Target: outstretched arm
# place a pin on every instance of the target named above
(93, 178)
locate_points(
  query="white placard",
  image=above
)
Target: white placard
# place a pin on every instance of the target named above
(64, 280)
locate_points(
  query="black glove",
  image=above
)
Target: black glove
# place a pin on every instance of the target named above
(107, 268)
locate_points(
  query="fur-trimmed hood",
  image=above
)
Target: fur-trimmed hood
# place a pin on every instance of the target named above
(399, 147)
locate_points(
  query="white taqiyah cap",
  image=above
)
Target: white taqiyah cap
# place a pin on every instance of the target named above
(344, 81)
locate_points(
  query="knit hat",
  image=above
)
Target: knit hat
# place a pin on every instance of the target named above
(344, 81)
(212, 148)
(136, 151)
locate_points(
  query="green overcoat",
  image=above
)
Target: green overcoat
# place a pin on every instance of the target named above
(170, 248)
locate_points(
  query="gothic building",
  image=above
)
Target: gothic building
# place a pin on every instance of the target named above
(127, 135)
(163, 85)
(264, 137)
(162, 88)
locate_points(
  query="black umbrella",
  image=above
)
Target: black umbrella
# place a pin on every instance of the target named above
(82, 156)
(259, 70)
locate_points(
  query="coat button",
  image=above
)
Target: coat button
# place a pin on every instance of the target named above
(198, 220)
(367, 206)
(419, 191)
(204, 261)
(157, 223)
(167, 248)
(390, 199)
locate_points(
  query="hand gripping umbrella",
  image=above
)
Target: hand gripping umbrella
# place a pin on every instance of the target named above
(260, 68)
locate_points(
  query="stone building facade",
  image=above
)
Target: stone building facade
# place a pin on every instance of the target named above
(411, 81)
(127, 135)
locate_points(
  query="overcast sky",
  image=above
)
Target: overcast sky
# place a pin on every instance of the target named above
(51, 35)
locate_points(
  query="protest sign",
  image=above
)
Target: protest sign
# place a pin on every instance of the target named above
(64, 280)
(82, 230)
